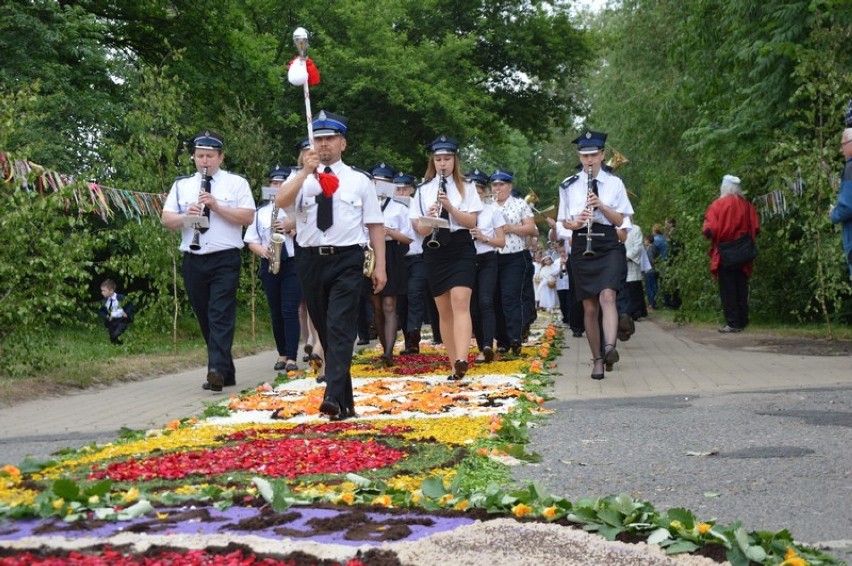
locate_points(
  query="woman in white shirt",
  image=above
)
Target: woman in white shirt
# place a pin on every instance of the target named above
(487, 236)
(448, 254)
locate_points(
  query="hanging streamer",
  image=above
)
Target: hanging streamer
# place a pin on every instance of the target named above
(101, 200)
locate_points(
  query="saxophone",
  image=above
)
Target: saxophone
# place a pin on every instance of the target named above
(276, 242)
(369, 261)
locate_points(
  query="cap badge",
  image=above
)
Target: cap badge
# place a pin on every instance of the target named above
(321, 116)
(588, 135)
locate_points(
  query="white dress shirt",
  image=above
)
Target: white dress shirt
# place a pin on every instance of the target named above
(427, 195)
(260, 231)
(611, 192)
(354, 206)
(488, 220)
(229, 190)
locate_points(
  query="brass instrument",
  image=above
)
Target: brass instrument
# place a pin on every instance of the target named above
(276, 242)
(369, 261)
(433, 242)
(590, 190)
(617, 159)
(531, 198)
(198, 224)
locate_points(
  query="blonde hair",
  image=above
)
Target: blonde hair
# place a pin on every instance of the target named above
(431, 172)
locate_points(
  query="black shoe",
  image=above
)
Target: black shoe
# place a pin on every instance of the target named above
(343, 415)
(516, 348)
(577, 333)
(329, 407)
(502, 349)
(215, 380)
(623, 336)
(309, 349)
(608, 367)
(610, 354)
(488, 354)
(625, 324)
(386, 360)
(280, 366)
(597, 375)
(320, 379)
(460, 367)
(362, 342)
(291, 366)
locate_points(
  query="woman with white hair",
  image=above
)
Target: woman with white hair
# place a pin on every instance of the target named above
(729, 223)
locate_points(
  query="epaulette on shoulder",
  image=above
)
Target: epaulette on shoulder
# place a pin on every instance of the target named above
(182, 177)
(568, 182)
(362, 172)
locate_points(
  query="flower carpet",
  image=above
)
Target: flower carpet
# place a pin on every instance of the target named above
(262, 478)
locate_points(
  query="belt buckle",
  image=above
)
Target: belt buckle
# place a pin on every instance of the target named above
(325, 250)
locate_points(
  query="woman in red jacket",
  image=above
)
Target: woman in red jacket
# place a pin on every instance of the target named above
(727, 219)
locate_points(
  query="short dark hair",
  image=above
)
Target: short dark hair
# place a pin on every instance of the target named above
(109, 284)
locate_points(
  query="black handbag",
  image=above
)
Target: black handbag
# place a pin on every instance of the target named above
(738, 252)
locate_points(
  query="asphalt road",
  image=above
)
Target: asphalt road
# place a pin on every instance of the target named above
(773, 460)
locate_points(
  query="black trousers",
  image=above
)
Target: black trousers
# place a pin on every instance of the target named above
(283, 294)
(412, 306)
(211, 282)
(482, 302)
(529, 311)
(733, 290)
(511, 276)
(331, 285)
(116, 328)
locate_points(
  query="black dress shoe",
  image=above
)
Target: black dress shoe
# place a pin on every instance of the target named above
(386, 360)
(343, 415)
(516, 348)
(577, 333)
(502, 349)
(279, 366)
(362, 342)
(488, 354)
(215, 380)
(329, 407)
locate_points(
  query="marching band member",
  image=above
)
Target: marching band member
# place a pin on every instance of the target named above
(278, 272)
(211, 256)
(593, 203)
(449, 254)
(398, 235)
(514, 264)
(488, 237)
(411, 307)
(332, 208)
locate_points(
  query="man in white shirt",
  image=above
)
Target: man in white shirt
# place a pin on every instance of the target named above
(211, 256)
(334, 203)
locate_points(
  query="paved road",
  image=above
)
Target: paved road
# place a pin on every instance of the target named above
(777, 430)
(730, 434)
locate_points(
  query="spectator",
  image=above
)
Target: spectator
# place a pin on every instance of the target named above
(115, 311)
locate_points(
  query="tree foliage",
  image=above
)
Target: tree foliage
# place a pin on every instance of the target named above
(691, 91)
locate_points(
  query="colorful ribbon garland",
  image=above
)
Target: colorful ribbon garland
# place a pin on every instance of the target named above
(91, 196)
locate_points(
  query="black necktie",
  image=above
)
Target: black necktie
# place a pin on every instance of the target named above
(325, 217)
(206, 181)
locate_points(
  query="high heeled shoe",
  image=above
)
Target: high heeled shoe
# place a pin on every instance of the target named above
(597, 375)
(460, 368)
(610, 354)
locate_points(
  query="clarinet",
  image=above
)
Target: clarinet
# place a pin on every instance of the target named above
(442, 188)
(205, 188)
(590, 190)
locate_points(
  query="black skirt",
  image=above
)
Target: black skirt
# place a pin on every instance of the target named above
(395, 267)
(451, 265)
(606, 269)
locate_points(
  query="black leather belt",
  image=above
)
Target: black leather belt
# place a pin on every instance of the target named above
(331, 250)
